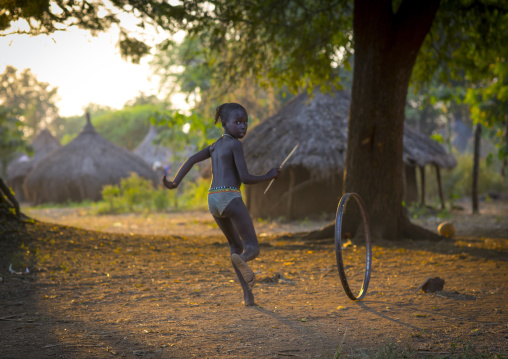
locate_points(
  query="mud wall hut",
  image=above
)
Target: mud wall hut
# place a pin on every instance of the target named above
(17, 170)
(311, 182)
(79, 170)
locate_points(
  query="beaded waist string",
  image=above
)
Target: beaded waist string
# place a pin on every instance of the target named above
(223, 189)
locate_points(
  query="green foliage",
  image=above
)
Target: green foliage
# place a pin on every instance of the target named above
(190, 55)
(132, 48)
(137, 195)
(457, 182)
(68, 204)
(178, 131)
(194, 195)
(45, 17)
(11, 136)
(463, 61)
(466, 39)
(191, 68)
(489, 104)
(126, 127)
(133, 194)
(67, 128)
(259, 40)
(33, 101)
(437, 137)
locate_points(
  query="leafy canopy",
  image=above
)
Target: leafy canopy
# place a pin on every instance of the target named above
(11, 137)
(34, 101)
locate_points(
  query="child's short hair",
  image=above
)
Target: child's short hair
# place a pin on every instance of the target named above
(224, 110)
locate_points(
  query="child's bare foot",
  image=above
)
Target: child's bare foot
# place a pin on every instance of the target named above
(247, 273)
(249, 299)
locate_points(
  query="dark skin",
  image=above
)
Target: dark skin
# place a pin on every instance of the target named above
(230, 169)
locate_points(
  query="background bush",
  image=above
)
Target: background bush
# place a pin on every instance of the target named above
(136, 195)
(458, 182)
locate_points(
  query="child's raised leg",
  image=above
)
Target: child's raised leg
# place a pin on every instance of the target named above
(236, 245)
(240, 217)
(242, 222)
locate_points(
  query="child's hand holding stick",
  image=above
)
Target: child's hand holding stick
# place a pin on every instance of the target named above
(283, 163)
(168, 184)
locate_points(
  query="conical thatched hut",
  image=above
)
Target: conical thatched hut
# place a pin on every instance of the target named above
(152, 153)
(43, 144)
(79, 170)
(311, 183)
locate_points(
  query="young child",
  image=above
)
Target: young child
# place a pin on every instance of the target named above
(225, 203)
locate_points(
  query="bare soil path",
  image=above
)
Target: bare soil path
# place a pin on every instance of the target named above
(171, 292)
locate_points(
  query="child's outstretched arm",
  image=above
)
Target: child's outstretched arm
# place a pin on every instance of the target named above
(186, 167)
(243, 172)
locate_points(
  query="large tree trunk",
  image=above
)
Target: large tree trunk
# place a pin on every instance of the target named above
(386, 46)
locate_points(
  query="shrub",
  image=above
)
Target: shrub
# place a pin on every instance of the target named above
(136, 194)
(457, 182)
(194, 195)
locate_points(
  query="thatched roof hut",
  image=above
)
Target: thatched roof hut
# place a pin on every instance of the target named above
(312, 180)
(151, 152)
(79, 170)
(419, 150)
(17, 170)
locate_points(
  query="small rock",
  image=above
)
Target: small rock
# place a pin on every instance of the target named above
(138, 352)
(446, 229)
(433, 285)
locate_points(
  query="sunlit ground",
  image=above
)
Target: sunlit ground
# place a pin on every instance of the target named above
(98, 294)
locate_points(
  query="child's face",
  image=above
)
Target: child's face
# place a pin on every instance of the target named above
(237, 124)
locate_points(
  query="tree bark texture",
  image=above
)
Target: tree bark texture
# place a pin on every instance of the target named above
(386, 45)
(476, 166)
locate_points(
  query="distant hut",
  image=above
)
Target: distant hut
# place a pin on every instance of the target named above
(419, 150)
(311, 183)
(162, 159)
(153, 154)
(79, 170)
(17, 170)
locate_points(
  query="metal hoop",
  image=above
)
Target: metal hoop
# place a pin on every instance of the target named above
(338, 245)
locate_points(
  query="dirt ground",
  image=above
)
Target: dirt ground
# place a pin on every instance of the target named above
(162, 286)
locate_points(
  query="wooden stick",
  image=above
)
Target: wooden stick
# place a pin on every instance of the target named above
(283, 163)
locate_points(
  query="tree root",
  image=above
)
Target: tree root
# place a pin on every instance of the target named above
(4, 189)
(408, 231)
(412, 231)
(327, 231)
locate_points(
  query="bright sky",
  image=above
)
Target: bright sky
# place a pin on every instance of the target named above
(85, 69)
